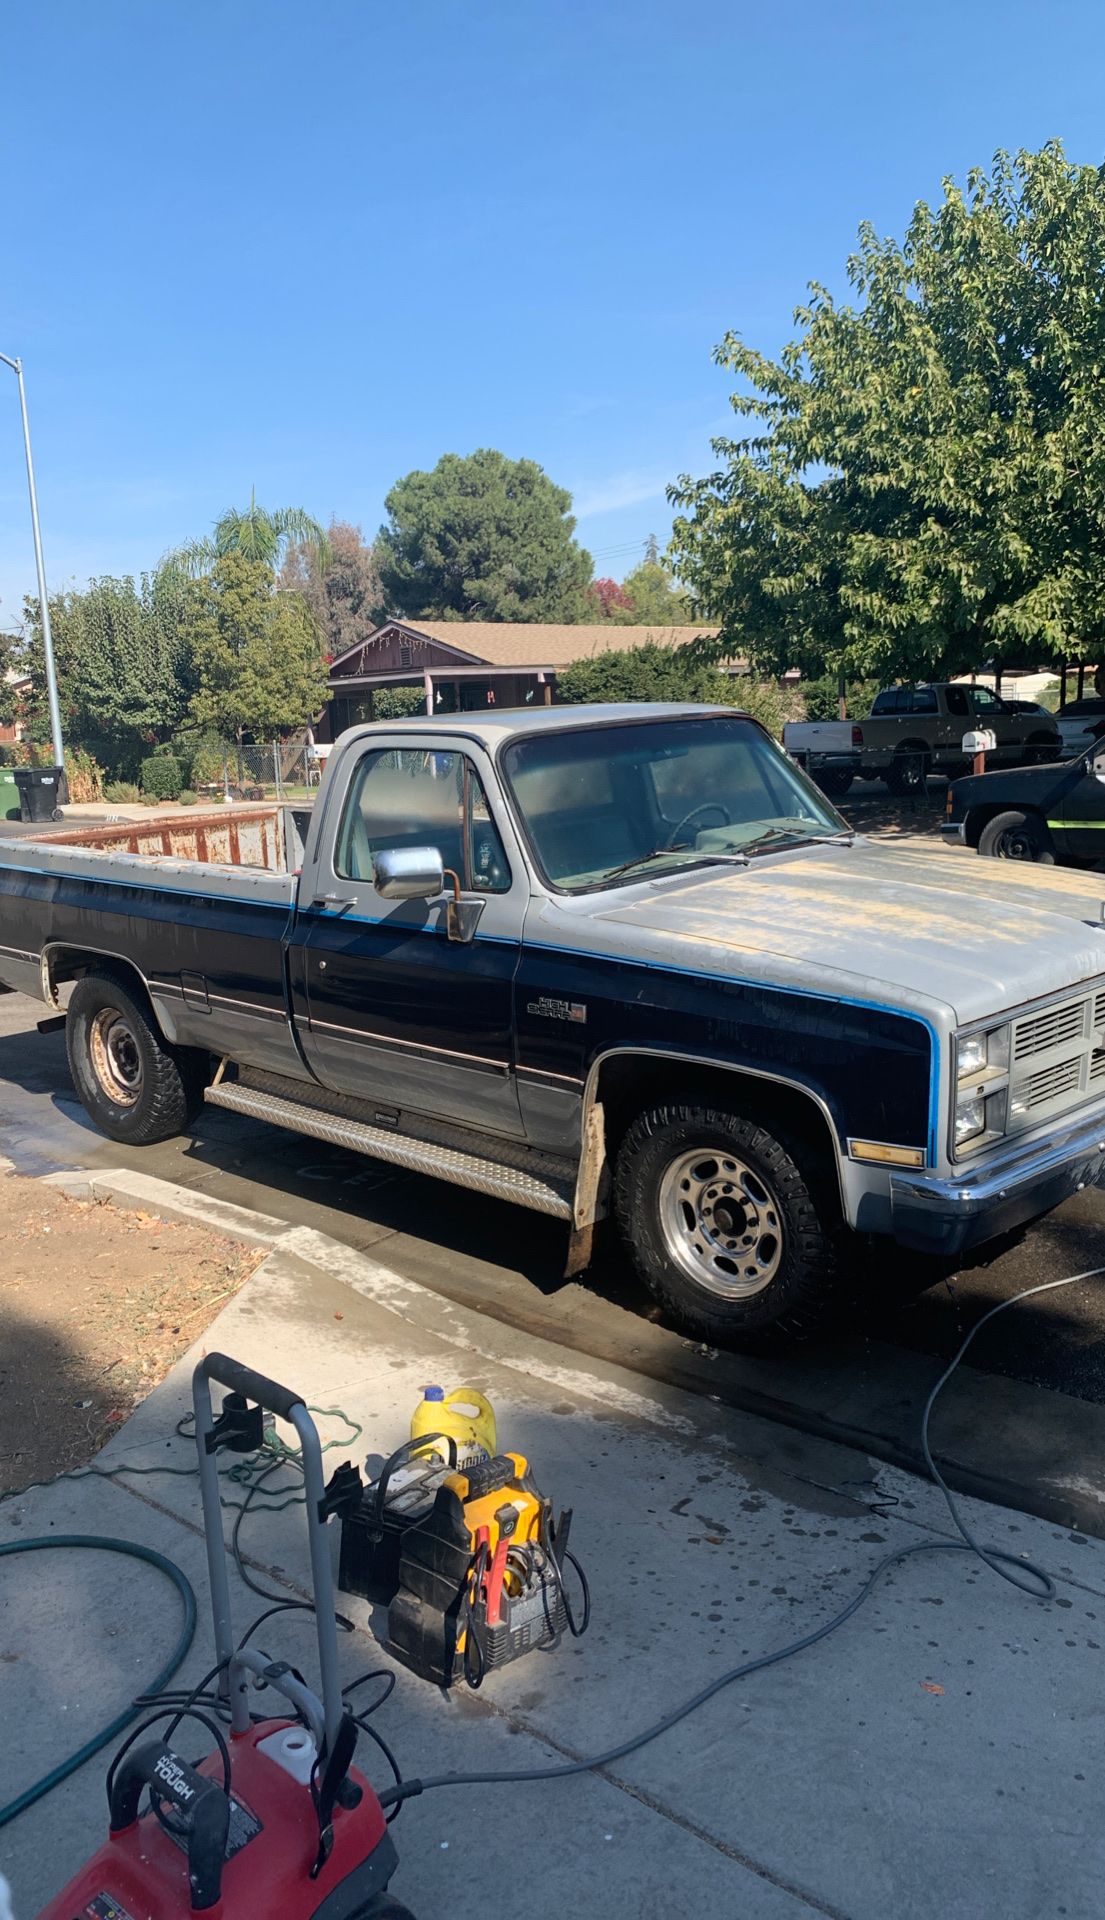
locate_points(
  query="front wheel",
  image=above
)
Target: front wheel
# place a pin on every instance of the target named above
(732, 1227)
(834, 780)
(1017, 836)
(132, 1084)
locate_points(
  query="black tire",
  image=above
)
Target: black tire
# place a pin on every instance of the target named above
(1017, 836)
(908, 771)
(787, 1294)
(834, 780)
(132, 1084)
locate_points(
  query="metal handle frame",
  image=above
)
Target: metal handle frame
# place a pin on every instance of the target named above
(289, 1406)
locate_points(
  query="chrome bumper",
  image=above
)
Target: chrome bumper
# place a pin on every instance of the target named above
(946, 1214)
(953, 829)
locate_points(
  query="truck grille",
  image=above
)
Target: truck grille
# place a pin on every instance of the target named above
(1052, 1028)
(1057, 1059)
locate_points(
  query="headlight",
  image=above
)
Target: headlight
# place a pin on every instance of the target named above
(970, 1116)
(972, 1055)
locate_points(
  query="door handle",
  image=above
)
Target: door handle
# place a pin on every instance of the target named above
(342, 901)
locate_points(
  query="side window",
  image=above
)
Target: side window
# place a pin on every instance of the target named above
(924, 700)
(956, 698)
(985, 701)
(415, 797)
(885, 702)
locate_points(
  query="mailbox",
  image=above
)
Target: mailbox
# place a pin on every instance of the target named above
(982, 741)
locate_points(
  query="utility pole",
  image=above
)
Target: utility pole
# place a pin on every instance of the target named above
(44, 605)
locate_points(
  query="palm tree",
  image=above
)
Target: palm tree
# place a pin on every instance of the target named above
(257, 533)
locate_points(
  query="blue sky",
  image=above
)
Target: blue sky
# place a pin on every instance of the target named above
(308, 248)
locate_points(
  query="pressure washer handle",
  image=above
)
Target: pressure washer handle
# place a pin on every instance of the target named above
(200, 1800)
(290, 1406)
(255, 1386)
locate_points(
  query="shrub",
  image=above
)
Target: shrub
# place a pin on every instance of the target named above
(822, 697)
(122, 792)
(651, 672)
(160, 776)
(205, 758)
(398, 703)
(150, 800)
(85, 775)
(186, 797)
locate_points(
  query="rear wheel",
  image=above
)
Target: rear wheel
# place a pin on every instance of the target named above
(908, 771)
(1017, 836)
(731, 1227)
(131, 1082)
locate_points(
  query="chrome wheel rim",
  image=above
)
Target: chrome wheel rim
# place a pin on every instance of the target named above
(116, 1057)
(721, 1223)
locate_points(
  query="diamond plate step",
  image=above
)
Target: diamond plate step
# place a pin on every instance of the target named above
(535, 1180)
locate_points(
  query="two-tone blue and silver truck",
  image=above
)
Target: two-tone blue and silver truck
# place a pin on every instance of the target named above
(621, 958)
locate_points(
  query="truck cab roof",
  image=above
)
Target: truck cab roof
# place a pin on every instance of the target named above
(492, 727)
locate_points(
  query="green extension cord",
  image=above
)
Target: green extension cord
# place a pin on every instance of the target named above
(97, 1544)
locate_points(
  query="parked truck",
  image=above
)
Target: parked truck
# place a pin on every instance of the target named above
(914, 731)
(619, 958)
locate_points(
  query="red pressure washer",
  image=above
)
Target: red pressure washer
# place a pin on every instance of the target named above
(275, 1824)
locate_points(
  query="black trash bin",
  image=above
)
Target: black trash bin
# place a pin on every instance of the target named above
(43, 792)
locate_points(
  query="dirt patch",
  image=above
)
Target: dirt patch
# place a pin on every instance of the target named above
(95, 1306)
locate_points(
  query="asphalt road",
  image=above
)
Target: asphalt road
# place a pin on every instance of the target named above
(1025, 1423)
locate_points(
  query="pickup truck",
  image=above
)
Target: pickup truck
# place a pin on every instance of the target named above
(591, 958)
(1043, 814)
(913, 731)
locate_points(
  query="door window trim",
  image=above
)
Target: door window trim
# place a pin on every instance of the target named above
(469, 771)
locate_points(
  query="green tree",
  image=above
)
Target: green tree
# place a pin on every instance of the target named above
(656, 672)
(482, 538)
(123, 666)
(654, 598)
(921, 489)
(257, 657)
(259, 533)
(341, 585)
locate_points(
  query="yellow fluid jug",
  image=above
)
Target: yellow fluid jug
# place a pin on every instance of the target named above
(465, 1413)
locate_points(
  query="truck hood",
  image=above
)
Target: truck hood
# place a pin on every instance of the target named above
(919, 928)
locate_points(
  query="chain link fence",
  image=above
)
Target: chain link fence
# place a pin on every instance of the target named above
(279, 770)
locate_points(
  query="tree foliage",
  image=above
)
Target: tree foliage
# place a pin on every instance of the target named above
(482, 538)
(653, 596)
(258, 660)
(259, 533)
(922, 487)
(609, 600)
(657, 672)
(123, 667)
(651, 672)
(341, 586)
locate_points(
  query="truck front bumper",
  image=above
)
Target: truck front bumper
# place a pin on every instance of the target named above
(947, 1214)
(954, 830)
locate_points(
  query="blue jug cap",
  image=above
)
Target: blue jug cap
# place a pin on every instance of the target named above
(433, 1393)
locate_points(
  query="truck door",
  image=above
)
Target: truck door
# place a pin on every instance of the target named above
(1082, 813)
(396, 1012)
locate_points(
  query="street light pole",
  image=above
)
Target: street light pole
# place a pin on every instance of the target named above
(47, 637)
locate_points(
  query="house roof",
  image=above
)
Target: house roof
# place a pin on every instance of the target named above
(509, 643)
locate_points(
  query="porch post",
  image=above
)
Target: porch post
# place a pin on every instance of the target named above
(428, 683)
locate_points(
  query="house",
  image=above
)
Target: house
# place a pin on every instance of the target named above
(471, 664)
(20, 685)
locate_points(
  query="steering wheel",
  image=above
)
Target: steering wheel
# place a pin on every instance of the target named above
(707, 806)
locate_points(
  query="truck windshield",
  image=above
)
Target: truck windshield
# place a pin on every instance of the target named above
(609, 804)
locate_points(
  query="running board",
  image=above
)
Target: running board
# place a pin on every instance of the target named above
(500, 1168)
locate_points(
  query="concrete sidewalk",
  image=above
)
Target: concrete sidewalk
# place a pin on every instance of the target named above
(935, 1757)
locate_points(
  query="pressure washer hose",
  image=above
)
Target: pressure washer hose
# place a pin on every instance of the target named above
(96, 1543)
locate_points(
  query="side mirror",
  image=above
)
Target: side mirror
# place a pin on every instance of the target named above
(408, 873)
(1097, 765)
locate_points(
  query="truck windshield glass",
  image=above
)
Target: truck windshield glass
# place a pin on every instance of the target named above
(610, 804)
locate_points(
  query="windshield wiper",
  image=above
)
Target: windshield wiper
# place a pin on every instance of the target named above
(795, 834)
(642, 860)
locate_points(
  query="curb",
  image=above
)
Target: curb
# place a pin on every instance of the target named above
(1046, 1485)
